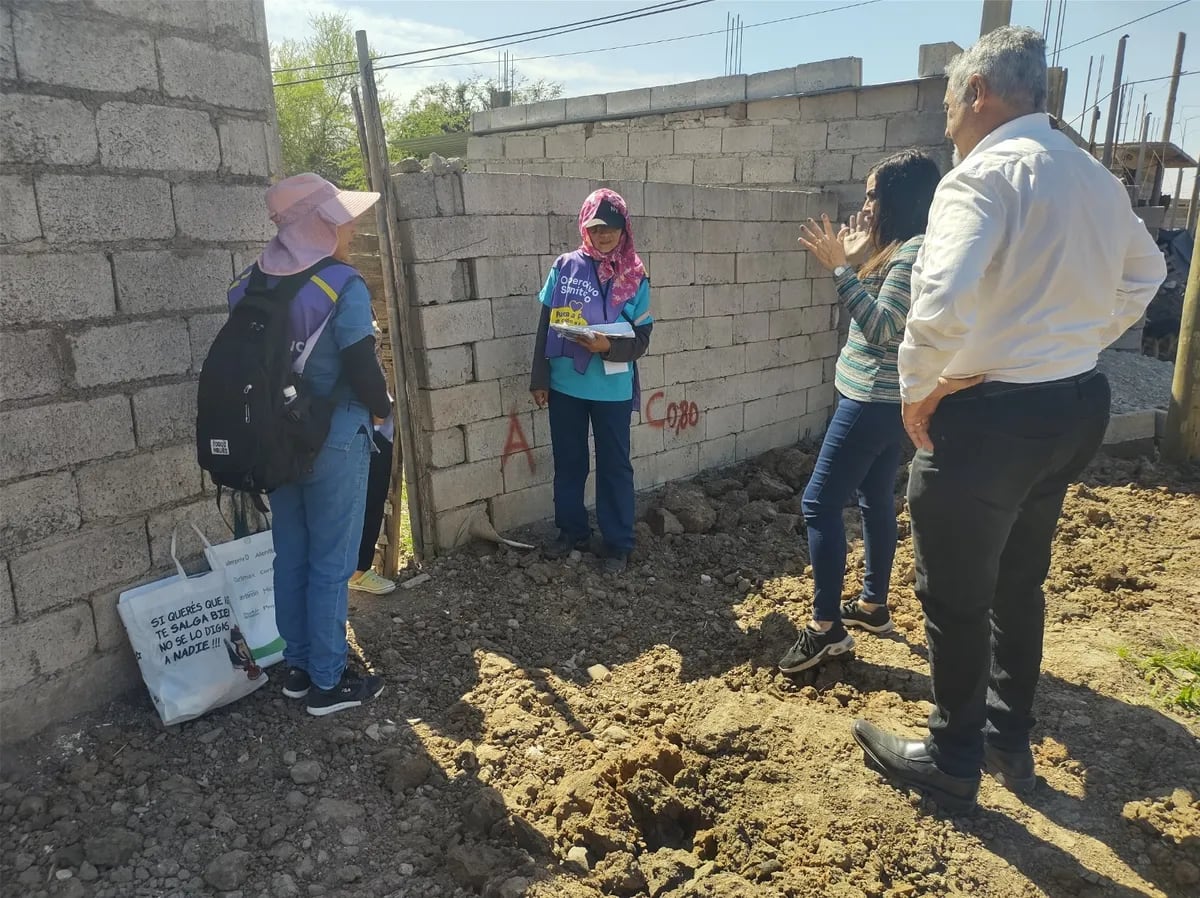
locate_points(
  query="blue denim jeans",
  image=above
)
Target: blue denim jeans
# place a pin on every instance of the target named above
(569, 419)
(861, 453)
(317, 524)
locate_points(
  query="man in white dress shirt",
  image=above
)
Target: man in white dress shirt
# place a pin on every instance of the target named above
(1033, 262)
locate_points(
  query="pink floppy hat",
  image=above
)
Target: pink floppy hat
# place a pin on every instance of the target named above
(307, 210)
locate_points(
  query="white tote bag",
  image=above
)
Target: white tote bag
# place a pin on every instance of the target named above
(248, 564)
(188, 644)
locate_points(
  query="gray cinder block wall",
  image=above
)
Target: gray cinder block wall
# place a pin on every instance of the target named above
(741, 359)
(814, 125)
(135, 145)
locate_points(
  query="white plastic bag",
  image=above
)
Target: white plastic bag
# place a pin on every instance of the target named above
(248, 564)
(188, 644)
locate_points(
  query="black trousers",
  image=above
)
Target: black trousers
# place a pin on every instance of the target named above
(985, 503)
(379, 477)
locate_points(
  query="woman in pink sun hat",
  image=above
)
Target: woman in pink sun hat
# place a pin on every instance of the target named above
(317, 520)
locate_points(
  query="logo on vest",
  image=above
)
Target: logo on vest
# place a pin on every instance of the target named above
(578, 287)
(571, 314)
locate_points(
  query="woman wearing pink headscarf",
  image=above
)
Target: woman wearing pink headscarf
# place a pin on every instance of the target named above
(589, 378)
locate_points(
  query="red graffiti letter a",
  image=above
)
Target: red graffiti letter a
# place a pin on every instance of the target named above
(516, 442)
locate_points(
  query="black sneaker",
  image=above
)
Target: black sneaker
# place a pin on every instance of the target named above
(615, 563)
(351, 692)
(297, 683)
(877, 621)
(563, 546)
(814, 647)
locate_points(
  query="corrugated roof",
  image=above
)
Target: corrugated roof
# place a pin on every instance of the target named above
(447, 145)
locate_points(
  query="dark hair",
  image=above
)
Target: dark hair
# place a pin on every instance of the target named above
(904, 186)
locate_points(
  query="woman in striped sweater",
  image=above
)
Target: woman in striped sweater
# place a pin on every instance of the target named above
(861, 450)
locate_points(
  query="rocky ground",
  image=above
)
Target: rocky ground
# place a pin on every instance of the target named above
(547, 731)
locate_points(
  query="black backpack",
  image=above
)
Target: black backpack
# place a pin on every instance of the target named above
(251, 436)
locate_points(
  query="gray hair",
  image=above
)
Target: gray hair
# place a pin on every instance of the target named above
(1012, 60)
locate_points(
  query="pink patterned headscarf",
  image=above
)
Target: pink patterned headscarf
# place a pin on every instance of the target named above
(623, 266)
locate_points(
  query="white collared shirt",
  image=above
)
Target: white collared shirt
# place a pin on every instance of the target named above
(1033, 262)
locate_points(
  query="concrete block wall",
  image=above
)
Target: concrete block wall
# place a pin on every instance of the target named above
(803, 132)
(741, 359)
(135, 146)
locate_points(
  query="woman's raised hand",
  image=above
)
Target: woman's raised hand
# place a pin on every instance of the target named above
(820, 240)
(855, 237)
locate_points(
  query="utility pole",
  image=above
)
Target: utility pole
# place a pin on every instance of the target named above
(1181, 443)
(996, 14)
(1135, 190)
(1168, 122)
(1113, 98)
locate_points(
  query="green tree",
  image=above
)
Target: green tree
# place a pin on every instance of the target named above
(445, 107)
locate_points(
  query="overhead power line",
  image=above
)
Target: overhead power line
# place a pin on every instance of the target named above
(1122, 25)
(1096, 104)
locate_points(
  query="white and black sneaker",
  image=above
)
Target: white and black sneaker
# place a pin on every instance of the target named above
(813, 647)
(877, 621)
(351, 692)
(297, 683)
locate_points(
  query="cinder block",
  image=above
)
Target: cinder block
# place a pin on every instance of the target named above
(464, 484)
(565, 146)
(720, 236)
(37, 508)
(8, 608)
(794, 294)
(98, 559)
(718, 453)
(220, 212)
(721, 91)
(697, 142)
(191, 16)
(481, 121)
(524, 507)
(710, 333)
(159, 138)
(165, 280)
(139, 483)
(54, 47)
(559, 196)
(513, 316)
(932, 59)
(461, 322)
(1124, 428)
(590, 170)
(767, 236)
(526, 469)
(768, 170)
(715, 203)
(761, 297)
(718, 171)
(82, 208)
(202, 330)
(856, 135)
(34, 437)
(437, 282)
(670, 171)
(472, 237)
(833, 168)
(754, 267)
(672, 337)
(546, 112)
(628, 102)
(130, 351)
(916, 129)
(675, 303)
(751, 443)
(668, 200)
(19, 224)
(488, 439)
(821, 396)
(653, 144)
(503, 358)
(505, 118)
(444, 448)
(765, 355)
(608, 143)
(775, 83)
(746, 139)
(723, 299)
(462, 405)
(671, 269)
(34, 363)
(8, 55)
(790, 140)
(587, 108)
(245, 147)
(761, 412)
(842, 104)
(781, 108)
(624, 170)
(864, 162)
(485, 147)
(714, 268)
(828, 74)
(522, 147)
(160, 525)
(826, 345)
(46, 131)
(508, 276)
(719, 422)
(202, 72)
(751, 328)
(789, 205)
(165, 415)
(888, 99)
(684, 367)
(674, 464)
(674, 235)
(416, 194)
(236, 16)
(449, 367)
(39, 647)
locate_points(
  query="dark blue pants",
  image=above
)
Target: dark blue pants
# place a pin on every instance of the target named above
(860, 453)
(569, 419)
(985, 503)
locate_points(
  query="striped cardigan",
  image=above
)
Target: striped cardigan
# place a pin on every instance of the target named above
(878, 307)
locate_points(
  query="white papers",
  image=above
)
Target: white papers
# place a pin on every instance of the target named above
(618, 330)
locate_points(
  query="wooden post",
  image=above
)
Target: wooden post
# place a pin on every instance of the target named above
(1169, 120)
(1182, 439)
(1092, 136)
(1172, 212)
(407, 443)
(996, 14)
(1136, 189)
(1110, 129)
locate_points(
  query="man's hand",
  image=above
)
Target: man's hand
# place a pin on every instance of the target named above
(917, 414)
(540, 397)
(597, 343)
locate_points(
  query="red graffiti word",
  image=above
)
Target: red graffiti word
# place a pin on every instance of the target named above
(516, 442)
(679, 417)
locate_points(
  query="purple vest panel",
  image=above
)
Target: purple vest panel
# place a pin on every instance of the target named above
(577, 299)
